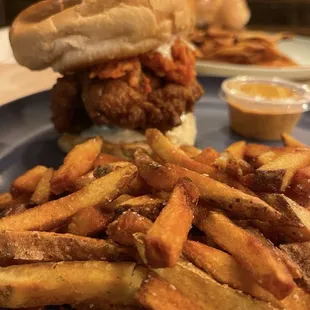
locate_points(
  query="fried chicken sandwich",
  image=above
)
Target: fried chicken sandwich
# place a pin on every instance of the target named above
(124, 63)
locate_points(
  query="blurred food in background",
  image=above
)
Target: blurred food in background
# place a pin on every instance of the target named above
(241, 47)
(221, 36)
(231, 14)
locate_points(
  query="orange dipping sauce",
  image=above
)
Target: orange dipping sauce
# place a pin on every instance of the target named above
(263, 108)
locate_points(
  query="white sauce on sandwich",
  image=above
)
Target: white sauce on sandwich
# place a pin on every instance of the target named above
(183, 134)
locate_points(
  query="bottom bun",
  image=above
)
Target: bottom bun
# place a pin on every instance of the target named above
(183, 134)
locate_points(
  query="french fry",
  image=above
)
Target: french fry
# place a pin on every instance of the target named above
(101, 171)
(277, 175)
(301, 182)
(237, 149)
(236, 168)
(82, 181)
(137, 187)
(170, 153)
(240, 204)
(207, 156)
(78, 162)
(69, 282)
(253, 150)
(225, 269)
(299, 299)
(190, 150)
(288, 140)
(28, 247)
(146, 205)
(264, 158)
(200, 287)
(156, 293)
(289, 263)
(299, 252)
(55, 213)
(5, 199)
(164, 241)
(272, 275)
(89, 222)
(296, 227)
(129, 223)
(43, 191)
(15, 207)
(27, 183)
(104, 159)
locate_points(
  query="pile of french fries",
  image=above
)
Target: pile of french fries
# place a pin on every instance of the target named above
(172, 228)
(241, 47)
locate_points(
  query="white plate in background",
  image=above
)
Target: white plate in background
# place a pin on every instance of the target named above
(6, 54)
(297, 48)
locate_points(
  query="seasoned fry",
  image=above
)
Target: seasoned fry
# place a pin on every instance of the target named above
(296, 215)
(277, 175)
(55, 213)
(296, 227)
(237, 149)
(164, 241)
(78, 162)
(27, 183)
(190, 150)
(253, 150)
(156, 293)
(236, 168)
(288, 140)
(207, 156)
(200, 287)
(89, 222)
(136, 187)
(129, 223)
(146, 205)
(28, 246)
(69, 282)
(82, 181)
(272, 275)
(264, 158)
(240, 204)
(104, 159)
(101, 171)
(5, 199)
(290, 264)
(43, 191)
(15, 207)
(299, 299)
(225, 269)
(170, 153)
(300, 182)
(299, 252)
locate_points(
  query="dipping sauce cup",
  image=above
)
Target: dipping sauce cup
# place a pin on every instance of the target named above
(263, 108)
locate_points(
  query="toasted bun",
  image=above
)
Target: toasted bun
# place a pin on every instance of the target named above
(72, 34)
(183, 134)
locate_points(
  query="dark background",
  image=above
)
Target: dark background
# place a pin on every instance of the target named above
(272, 15)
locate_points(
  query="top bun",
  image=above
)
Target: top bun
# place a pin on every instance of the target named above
(72, 34)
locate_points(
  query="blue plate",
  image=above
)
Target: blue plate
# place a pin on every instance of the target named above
(27, 137)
